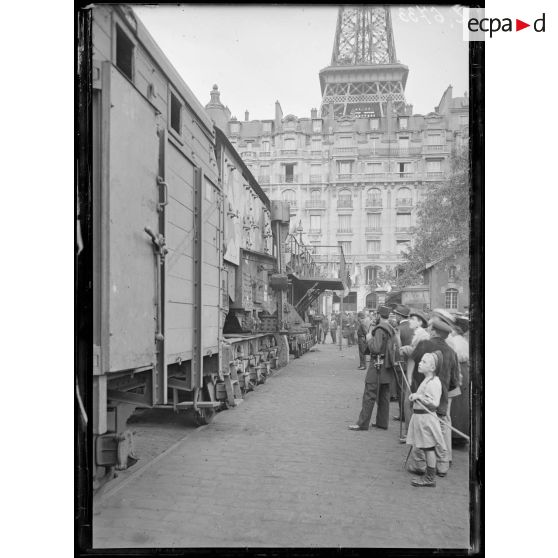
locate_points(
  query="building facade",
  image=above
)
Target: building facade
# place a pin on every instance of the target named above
(353, 177)
(445, 285)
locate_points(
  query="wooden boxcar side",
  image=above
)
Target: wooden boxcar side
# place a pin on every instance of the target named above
(158, 218)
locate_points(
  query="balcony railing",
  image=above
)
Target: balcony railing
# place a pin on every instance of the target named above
(403, 202)
(347, 150)
(315, 204)
(373, 202)
(375, 176)
(289, 152)
(288, 179)
(265, 154)
(434, 148)
(375, 229)
(437, 174)
(263, 179)
(404, 229)
(315, 231)
(344, 203)
(248, 154)
(345, 176)
(315, 153)
(395, 151)
(345, 230)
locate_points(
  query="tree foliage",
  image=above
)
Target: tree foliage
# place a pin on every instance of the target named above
(443, 222)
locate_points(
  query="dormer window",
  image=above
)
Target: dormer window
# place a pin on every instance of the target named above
(374, 123)
(403, 122)
(317, 126)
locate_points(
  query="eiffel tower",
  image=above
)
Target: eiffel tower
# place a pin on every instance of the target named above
(364, 72)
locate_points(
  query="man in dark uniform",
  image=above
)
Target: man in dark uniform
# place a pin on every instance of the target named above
(362, 330)
(449, 377)
(384, 351)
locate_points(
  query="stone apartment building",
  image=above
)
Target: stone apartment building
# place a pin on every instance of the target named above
(354, 171)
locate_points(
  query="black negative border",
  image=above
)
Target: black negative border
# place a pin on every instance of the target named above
(83, 317)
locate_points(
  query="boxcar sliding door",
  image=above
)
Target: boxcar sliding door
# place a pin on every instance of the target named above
(133, 195)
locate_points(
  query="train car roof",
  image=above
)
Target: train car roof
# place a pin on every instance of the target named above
(167, 68)
(221, 137)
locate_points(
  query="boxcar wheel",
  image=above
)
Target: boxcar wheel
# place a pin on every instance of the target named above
(204, 416)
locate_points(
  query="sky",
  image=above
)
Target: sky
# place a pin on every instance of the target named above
(260, 54)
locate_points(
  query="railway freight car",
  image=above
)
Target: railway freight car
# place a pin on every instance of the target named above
(183, 246)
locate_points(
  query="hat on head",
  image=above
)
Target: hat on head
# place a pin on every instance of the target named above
(384, 311)
(361, 314)
(441, 327)
(420, 315)
(444, 315)
(402, 310)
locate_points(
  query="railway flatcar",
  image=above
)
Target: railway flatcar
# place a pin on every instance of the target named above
(185, 244)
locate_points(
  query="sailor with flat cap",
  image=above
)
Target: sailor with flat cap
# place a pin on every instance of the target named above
(383, 344)
(449, 377)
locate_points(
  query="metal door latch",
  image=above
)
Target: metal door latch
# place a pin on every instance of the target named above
(159, 242)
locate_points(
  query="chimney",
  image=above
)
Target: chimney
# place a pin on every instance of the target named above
(215, 94)
(246, 115)
(278, 115)
(314, 113)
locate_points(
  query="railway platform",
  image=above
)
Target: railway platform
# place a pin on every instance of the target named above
(283, 470)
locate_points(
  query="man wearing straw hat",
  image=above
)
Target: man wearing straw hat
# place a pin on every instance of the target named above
(449, 378)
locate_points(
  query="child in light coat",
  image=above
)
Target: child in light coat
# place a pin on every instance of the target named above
(424, 429)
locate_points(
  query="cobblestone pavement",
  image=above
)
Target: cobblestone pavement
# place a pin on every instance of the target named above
(283, 470)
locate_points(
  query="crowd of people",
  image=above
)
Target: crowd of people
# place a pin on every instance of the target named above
(422, 361)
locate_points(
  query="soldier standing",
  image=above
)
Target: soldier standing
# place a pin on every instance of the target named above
(384, 352)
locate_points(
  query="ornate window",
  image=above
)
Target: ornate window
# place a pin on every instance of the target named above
(345, 195)
(451, 299)
(374, 195)
(346, 245)
(404, 197)
(371, 274)
(372, 301)
(373, 246)
(289, 195)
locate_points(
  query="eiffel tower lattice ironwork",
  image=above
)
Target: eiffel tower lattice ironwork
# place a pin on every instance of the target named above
(364, 72)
